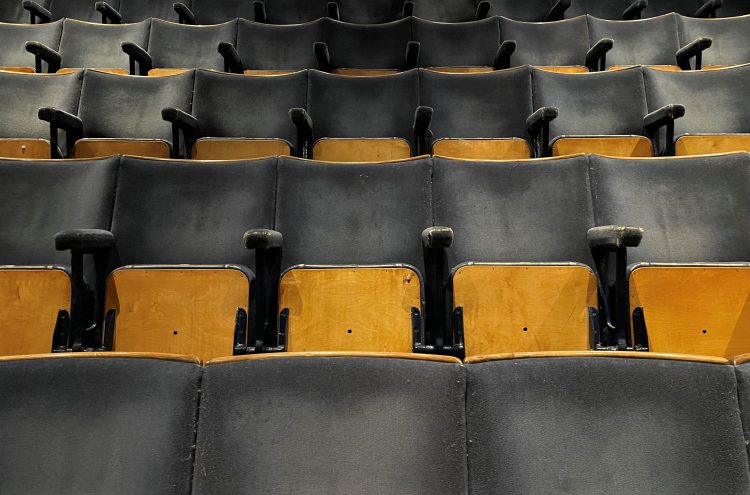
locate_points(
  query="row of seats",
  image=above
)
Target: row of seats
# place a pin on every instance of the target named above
(342, 424)
(362, 12)
(511, 114)
(344, 256)
(576, 45)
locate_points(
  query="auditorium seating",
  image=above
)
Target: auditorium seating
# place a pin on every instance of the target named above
(460, 47)
(729, 39)
(214, 11)
(690, 279)
(607, 9)
(530, 11)
(14, 11)
(296, 11)
(731, 8)
(452, 10)
(85, 45)
(122, 114)
(14, 56)
(691, 8)
(138, 10)
(41, 311)
(52, 10)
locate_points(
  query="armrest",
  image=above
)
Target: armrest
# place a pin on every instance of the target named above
(438, 334)
(483, 9)
(232, 60)
(84, 240)
(709, 8)
(138, 56)
(504, 52)
(322, 56)
(43, 53)
(437, 237)
(412, 54)
(36, 11)
(263, 239)
(58, 119)
(634, 10)
(333, 11)
(663, 117)
(613, 237)
(259, 8)
(557, 12)
(185, 14)
(181, 122)
(596, 57)
(108, 13)
(422, 132)
(693, 49)
(267, 245)
(408, 9)
(538, 127)
(304, 124)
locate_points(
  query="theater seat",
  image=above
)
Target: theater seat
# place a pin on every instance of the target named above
(139, 10)
(449, 10)
(13, 11)
(337, 423)
(297, 11)
(473, 116)
(459, 47)
(37, 199)
(205, 12)
(733, 8)
(532, 10)
(53, 10)
(616, 10)
(729, 38)
(691, 8)
(585, 423)
(14, 57)
(129, 419)
(521, 276)
(690, 278)
(121, 115)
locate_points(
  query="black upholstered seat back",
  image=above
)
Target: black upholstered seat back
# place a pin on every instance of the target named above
(652, 41)
(446, 10)
(529, 11)
(39, 199)
(13, 11)
(458, 44)
(515, 211)
(131, 421)
(274, 47)
(331, 213)
(114, 106)
(375, 46)
(600, 103)
(356, 107)
(183, 46)
(370, 11)
(99, 46)
(491, 105)
(550, 43)
(730, 38)
(191, 212)
(233, 105)
(139, 10)
(601, 9)
(295, 11)
(715, 101)
(15, 36)
(24, 94)
(220, 11)
(692, 209)
(83, 10)
(733, 8)
(545, 425)
(683, 7)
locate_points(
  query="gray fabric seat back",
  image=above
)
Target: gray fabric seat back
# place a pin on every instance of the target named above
(15, 36)
(221, 11)
(458, 44)
(99, 46)
(274, 47)
(140, 10)
(683, 7)
(601, 9)
(375, 46)
(447, 10)
(183, 46)
(528, 11)
(295, 11)
(550, 43)
(83, 10)
(13, 11)
(652, 41)
(730, 38)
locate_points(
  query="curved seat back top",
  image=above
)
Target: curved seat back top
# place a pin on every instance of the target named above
(14, 55)
(181, 46)
(465, 44)
(83, 10)
(85, 45)
(296, 11)
(447, 10)
(530, 11)
(221, 11)
(268, 47)
(616, 10)
(140, 10)
(554, 44)
(14, 12)
(692, 8)
(729, 36)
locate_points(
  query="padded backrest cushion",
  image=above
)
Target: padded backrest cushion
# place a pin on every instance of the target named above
(693, 209)
(15, 36)
(294, 11)
(446, 10)
(604, 425)
(684, 7)
(218, 11)
(332, 425)
(139, 10)
(371, 11)
(529, 10)
(515, 211)
(730, 38)
(83, 10)
(191, 212)
(647, 41)
(99, 46)
(13, 11)
(601, 9)
(186, 47)
(550, 43)
(459, 44)
(96, 425)
(597, 103)
(114, 106)
(273, 47)
(489, 105)
(331, 213)
(375, 46)
(39, 199)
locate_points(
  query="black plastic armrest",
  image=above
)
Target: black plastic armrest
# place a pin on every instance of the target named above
(412, 55)
(58, 119)
(259, 8)
(263, 239)
(322, 56)
(612, 237)
(265, 333)
(333, 11)
(437, 237)
(304, 124)
(438, 332)
(232, 60)
(538, 127)
(181, 122)
(84, 240)
(36, 11)
(422, 132)
(184, 13)
(663, 117)
(408, 9)
(483, 9)
(557, 12)
(709, 8)
(109, 14)
(634, 10)
(691, 50)
(43, 53)
(504, 53)
(138, 56)
(596, 57)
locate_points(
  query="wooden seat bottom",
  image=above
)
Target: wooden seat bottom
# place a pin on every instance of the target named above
(119, 72)
(166, 72)
(361, 150)
(38, 149)
(564, 69)
(706, 145)
(482, 149)
(611, 146)
(664, 68)
(260, 72)
(462, 70)
(365, 72)
(238, 149)
(25, 70)
(98, 148)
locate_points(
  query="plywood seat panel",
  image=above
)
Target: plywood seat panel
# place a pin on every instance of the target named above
(483, 149)
(238, 148)
(610, 146)
(361, 150)
(101, 147)
(688, 145)
(25, 148)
